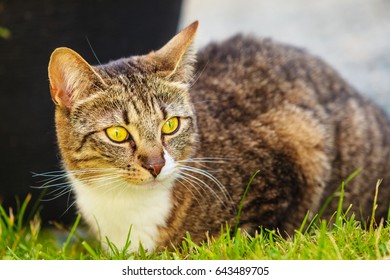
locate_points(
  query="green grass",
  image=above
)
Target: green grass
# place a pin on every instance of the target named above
(341, 237)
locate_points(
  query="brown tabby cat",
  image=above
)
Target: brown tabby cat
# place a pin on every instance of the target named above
(150, 147)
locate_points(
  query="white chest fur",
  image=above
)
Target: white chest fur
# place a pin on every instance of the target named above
(111, 211)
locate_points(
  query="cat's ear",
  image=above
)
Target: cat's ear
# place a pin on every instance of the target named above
(71, 77)
(175, 58)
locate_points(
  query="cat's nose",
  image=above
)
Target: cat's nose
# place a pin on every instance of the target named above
(154, 168)
(153, 161)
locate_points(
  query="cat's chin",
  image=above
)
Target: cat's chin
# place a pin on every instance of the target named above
(151, 185)
(157, 184)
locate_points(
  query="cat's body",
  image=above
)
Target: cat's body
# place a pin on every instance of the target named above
(253, 105)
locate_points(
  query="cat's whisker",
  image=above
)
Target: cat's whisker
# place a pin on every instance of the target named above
(183, 177)
(210, 158)
(62, 172)
(205, 101)
(53, 176)
(59, 189)
(208, 169)
(189, 189)
(123, 187)
(58, 193)
(92, 171)
(93, 51)
(197, 184)
(49, 185)
(201, 183)
(205, 160)
(209, 176)
(194, 183)
(197, 76)
(67, 202)
(118, 185)
(115, 185)
(95, 174)
(62, 188)
(69, 206)
(97, 181)
(99, 178)
(205, 166)
(49, 173)
(109, 184)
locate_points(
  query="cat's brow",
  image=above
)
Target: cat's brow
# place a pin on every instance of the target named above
(162, 107)
(125, 116)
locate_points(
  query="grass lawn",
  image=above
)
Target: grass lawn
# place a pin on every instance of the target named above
(341, 237)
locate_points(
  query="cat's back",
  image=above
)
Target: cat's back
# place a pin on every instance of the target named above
(265, 69)
(273, 107)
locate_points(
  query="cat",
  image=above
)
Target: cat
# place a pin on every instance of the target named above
(158, 145)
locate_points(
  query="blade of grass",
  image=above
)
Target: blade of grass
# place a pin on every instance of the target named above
(128, 241)
(377, 235)
(71, 233)
(22, 211)
(300, 230)
(36, 207)
(90, 250)
(374, 205)
(340, 208)
(321, 241)
(5, 217)
(242, 201)
(12, 253)
(113, 249)
(330, 198)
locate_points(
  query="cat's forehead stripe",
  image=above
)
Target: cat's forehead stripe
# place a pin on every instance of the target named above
(138, 108)
(125, 115)
(163, 109)
(133, 103)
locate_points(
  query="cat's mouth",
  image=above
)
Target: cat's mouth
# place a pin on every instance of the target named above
(159, 175)
(147, 180)
(152, 182)
(157, 183)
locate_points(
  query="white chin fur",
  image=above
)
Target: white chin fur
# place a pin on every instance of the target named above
(111, 211)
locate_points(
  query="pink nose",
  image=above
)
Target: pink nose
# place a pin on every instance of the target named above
(154, 167)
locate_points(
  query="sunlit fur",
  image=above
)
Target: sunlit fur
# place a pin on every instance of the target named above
(250, 105)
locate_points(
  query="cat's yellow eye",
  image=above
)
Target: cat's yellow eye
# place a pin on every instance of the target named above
(117, 134)
(171, 126)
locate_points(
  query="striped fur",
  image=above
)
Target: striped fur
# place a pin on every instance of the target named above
(251, 105)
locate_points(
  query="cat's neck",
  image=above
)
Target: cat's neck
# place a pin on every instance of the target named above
(111, 211)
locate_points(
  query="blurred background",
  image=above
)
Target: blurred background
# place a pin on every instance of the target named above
(351, 35)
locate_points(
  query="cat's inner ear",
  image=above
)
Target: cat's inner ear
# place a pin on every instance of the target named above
(71, 77)
(175, 58)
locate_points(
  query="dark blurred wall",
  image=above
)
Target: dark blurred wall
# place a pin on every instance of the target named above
(114, 28)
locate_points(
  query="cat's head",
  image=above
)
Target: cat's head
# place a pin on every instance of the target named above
(131, 119)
